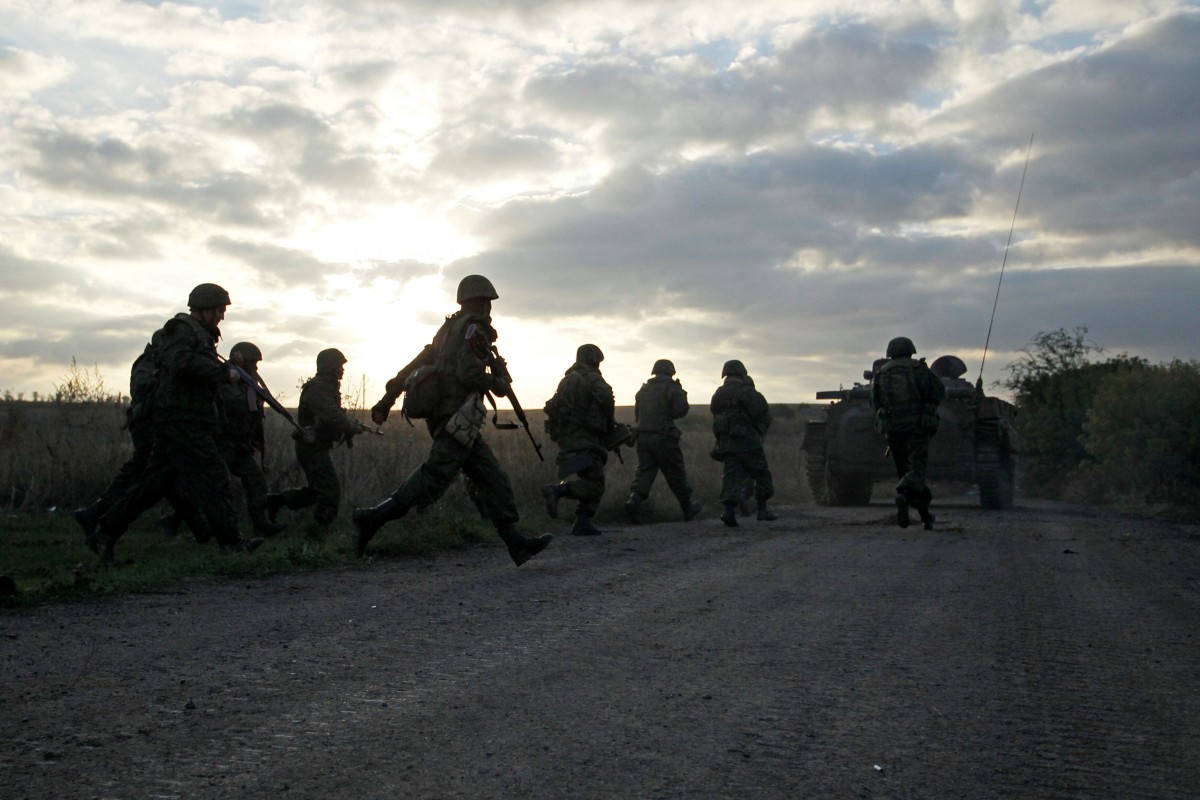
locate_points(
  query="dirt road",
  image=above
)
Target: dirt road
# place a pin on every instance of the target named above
(1042, 653)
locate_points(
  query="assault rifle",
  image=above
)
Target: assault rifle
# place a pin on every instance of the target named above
(492, 358)
(259, 386)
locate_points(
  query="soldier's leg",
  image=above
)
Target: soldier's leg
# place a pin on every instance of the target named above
(899, 445)
(131, 471)
(764, 483)
(733, 477)
(497, 498)
(204, 479)
(588, 489)
(671, 462)
(156, 480)
(643, 479)
(921, 496)
(298, 496)
(424, 486)
(323, 480)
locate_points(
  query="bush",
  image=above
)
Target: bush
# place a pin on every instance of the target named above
(1142, 436)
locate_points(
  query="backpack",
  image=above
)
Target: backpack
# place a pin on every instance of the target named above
(143, 375)
(423, 387)
(555, 410)
(422, 391)
(899, 389)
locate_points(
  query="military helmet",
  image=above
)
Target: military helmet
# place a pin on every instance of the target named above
(329, 360)
(733, 367)
(589, 354)
(475, 287)
(249, 352)
(900, 347)
(663, 367)
(208, 295)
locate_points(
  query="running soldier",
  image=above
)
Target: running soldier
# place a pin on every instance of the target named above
(323, 425)
(445, 385)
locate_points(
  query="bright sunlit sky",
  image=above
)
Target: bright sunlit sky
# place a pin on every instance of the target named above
(788, 183)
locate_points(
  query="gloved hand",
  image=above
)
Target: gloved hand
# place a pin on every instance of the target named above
(379, 411)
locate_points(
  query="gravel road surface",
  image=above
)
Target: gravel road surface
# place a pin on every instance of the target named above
(1047, 652)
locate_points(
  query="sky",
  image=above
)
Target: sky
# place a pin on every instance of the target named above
(791, 184)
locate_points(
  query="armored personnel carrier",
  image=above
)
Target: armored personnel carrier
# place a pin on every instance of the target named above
(975, 443)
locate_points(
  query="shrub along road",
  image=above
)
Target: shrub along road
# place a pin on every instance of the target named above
(1043, 652)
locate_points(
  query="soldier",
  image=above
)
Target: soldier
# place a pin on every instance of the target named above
(184, 415)
(741, 417)
(905, 395)
(657, 405)
(454, 373)
(324, 424)
(579, 418)
(242, 439)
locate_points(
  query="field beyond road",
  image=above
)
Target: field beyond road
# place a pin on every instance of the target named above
(1050, 651)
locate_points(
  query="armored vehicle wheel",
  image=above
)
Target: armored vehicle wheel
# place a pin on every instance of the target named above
(814, 461)
(993, 466)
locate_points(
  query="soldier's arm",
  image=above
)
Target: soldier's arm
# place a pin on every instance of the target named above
(679, 401)
(327, 410)
(184, 355)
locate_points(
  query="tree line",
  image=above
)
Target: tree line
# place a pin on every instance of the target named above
(1116, 431)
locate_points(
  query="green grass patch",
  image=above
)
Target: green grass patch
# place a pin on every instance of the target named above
(48, 561)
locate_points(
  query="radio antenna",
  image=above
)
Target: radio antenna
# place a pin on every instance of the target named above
(996, 301)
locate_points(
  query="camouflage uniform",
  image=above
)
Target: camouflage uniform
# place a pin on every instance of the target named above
(143, 375)
(580, 419)
(657, 405)
(905, 395)
(741, 417)
(242, 438)
(184, 416)
(464, 377)
(319, 411)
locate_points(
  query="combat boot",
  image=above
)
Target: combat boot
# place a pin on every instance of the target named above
(743, 504)
(729, 515)
(240, 545)
(263, 526)
(584, 527)
(369, 520)
(553, 493)
(522, 548)
(633, 508)
(764, 513)
(88, 517)
(101, 544)
(902, 509)
(692, 510)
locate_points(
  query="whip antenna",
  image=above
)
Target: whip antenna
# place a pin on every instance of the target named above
(1011, 228)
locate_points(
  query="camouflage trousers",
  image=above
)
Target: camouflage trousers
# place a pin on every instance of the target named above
(582, 473)
(910, 453)
(661, 451)
(447, 458)
(324, 490)
(142, 435)
(183, 457)
(241, 460)
(742, 468)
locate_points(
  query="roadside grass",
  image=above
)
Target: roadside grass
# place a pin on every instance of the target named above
(42, 549)
(45, 555)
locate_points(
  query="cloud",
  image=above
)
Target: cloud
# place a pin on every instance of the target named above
(277, 266)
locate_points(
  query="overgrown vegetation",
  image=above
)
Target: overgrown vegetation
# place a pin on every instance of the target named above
(1119, 431)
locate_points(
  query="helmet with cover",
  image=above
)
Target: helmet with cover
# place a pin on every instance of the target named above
(476, 287)
(663, 367)
(208, 295)
(901, 347)
(330, 360)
